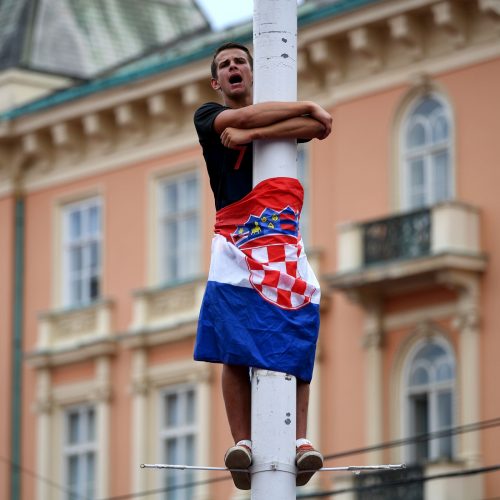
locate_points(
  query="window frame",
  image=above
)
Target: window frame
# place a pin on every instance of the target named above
(79, 449)
(164, 433)
(431, 390)
(85, 242)
(426, 152)
(162, 254)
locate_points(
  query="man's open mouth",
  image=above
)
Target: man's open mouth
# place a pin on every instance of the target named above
(235, 79)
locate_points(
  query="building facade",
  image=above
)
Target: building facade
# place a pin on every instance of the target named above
(106, 218)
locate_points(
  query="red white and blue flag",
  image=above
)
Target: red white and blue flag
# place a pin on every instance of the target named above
(261, 304)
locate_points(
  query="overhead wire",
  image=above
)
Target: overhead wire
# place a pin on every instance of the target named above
(403, 482)
(167, 489)
(461, 429)
(482, 425)
(50, 482)
(478, 426)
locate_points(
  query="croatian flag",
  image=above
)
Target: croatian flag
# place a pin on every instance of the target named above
(261, 304)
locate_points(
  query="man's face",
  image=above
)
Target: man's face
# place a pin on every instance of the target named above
(234, 74)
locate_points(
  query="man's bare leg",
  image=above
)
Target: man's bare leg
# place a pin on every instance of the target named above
(236, 390)
(302, 406)
(307, 458)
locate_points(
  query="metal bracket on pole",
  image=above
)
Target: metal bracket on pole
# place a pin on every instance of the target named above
(273, 466)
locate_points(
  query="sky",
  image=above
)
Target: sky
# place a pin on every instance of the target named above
(224, 13)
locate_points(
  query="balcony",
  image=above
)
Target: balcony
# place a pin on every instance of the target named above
(166, 314)
(75, 334)
(408, 250)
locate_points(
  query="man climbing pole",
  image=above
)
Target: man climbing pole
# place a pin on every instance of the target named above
(261, 305)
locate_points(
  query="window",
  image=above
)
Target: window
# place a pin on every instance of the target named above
(179, 228)
(427, 154)
(178, 439)
(80, 446)
(430, 399)
(82, 242)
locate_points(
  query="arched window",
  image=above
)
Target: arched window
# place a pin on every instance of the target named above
(429, 394)
(426, 146)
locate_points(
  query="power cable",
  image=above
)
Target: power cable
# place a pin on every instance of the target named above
(192, 484)
(50, 482)
(418, 438)
(404, 482)
(482, 425)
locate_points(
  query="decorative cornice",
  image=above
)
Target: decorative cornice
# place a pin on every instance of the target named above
(468, 317)
(339, 56)
(153, 336)
(366, 42)
(468, 320)
(450, 16)
(78, 352)
(491, 7)
(406, 30)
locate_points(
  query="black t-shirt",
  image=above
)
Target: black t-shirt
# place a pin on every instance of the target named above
(230, 170)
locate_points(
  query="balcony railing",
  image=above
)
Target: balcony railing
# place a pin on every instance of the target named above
(401, 237)
(445, 228)
(405, 484)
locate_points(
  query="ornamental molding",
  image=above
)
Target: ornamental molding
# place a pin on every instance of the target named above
(339, 58)
(373, 332)
(468, 287)
(162, 314)
(468, 320)
(178, 372)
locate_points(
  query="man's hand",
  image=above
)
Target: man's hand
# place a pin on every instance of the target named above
(323, 117)
(233, 138)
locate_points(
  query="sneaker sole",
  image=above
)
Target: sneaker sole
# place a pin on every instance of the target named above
(310, 463)
(238, 459)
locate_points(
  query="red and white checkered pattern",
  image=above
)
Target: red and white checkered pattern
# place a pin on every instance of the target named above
(275, 275)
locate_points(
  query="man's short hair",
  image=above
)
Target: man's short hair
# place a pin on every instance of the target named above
(225, 46)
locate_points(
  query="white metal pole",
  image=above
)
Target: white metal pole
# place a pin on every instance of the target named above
(273, 468)
(274, 394)
(275, 79)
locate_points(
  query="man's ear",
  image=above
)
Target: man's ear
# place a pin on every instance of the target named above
(215, 84)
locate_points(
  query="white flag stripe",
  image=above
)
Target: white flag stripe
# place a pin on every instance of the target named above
(229, 266)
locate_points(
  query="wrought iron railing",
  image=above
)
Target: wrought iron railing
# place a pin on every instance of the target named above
(401, 237)
(405, 484)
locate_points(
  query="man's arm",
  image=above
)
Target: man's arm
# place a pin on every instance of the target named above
(268, 113)
(294, 128)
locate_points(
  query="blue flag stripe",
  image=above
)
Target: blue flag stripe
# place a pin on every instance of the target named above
(241, 328)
